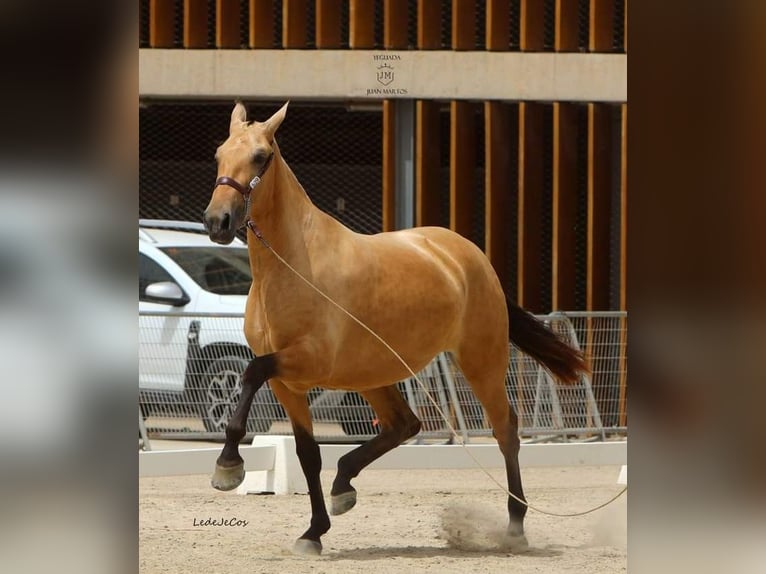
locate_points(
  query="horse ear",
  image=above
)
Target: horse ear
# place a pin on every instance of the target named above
(238, 116)
(273, 123)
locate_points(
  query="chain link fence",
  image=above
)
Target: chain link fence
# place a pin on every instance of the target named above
(190, 368)
(335, 151)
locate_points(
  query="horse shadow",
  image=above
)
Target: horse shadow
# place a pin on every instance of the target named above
(380, 552)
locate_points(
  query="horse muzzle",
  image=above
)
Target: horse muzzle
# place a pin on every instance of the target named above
(220, 225)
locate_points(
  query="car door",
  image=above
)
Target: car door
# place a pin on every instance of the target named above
(163, 342)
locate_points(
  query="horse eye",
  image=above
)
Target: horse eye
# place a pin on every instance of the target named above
(260, 157)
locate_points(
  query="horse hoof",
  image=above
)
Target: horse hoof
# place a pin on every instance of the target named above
(341, 503)
(306, 547)
(518, 543)
(228, 478)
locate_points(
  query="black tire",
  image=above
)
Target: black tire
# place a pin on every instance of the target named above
(221, 388)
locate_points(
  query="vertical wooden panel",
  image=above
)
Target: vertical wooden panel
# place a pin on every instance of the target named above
(294, 23)
(395, 24)
(566, 26)
(601, 22)
(429, 22)
(498, 25)
(564, 205)
(227, 23)
(532, 30)
(261, 24)
(623, 265)
(497, 172)
(195, 23)
(427, 162)
(389, 165)
(361, 24)
(625, 17)
(599, 180)
(530, 205)
(462, 165)
(463, 24)
(328, 24)
(161, 23)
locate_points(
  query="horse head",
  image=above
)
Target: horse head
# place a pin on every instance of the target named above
(242, 160)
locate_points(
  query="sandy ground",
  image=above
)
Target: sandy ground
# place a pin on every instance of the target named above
(404, 521)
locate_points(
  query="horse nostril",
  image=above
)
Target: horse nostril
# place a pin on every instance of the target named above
(225, 222)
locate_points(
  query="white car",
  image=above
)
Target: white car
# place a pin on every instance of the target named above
(192, 350)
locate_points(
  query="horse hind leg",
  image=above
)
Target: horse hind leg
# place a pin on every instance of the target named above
(488, 384)
(397, 422)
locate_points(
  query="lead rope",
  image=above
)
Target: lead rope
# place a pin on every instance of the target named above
(251, 225)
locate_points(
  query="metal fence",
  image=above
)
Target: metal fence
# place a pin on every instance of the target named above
(190, 367)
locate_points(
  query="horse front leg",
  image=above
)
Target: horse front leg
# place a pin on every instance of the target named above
(297, 408)
(230, 468)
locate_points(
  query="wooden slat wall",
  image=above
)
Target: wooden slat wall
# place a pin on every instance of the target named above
(395, 24)
(261, 24)
(389, 165)
(532, 37)
(294, 23)
(599, 181)
(161, 23)
(566, 26)
(395, 29)
(601, 22)
(497, 174)
(361, 18)
(564, 206)
(328, 24)
(227, 23)
(361, 35)
(429, 35)
(530, 205)
(195, 23)
(563, 274)
(498, 25)
(623, 417)
(427, 162)
(463, 25)
(462, 166)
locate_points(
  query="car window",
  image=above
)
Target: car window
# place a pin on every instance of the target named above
(220, 270)
(149, 271)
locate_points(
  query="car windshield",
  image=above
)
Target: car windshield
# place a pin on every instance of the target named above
(220, 270)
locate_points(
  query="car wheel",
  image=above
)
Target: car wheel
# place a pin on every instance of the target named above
(221, 389)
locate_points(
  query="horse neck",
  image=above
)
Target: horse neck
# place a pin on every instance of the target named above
(283, 213)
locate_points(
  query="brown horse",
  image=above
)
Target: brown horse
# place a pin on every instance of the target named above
(423, 290)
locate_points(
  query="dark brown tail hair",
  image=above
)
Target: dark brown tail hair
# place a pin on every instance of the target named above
(542, 344)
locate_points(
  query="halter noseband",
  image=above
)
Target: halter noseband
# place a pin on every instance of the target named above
(245, 191)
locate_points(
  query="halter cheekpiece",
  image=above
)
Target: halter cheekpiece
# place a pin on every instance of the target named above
(245, 192)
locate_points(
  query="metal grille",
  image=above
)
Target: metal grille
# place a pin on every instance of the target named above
(515, 25)
(618, 43)
(178, 24)
(583, 25)
(546, 240)
(615, 206)
(244, 23)
(581, 226)
(143, 24)
(190, 368)
(549, 25)
(334, 152)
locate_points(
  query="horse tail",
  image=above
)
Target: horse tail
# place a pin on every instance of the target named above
(542, 344)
